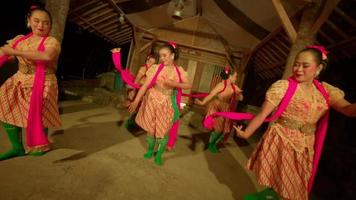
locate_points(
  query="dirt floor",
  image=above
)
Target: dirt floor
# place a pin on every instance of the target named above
(95, 157)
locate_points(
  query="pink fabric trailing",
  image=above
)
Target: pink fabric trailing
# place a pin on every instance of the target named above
(35, 135)
(126, 75)
(209, 120)
(173, 132)
(320, 133)
(319, 136)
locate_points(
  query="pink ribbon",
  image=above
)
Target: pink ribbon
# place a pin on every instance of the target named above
(35, 136)
(320, 133)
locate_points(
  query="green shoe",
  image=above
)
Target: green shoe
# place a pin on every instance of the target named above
(151, 145)
(36, 153)
(39, 153)
(267, 194)
(130, 123)
(215, 138)
(15, 137)
(162, 144)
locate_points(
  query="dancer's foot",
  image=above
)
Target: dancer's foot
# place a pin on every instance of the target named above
(12, 153)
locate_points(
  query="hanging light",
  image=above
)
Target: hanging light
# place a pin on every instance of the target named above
(178, 9)
(122, 19)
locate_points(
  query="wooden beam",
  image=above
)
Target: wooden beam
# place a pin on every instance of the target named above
(324, 35)
(349, 19)
(277, 55)
(349, 40)
(112, 34)
(192, 47)
(146, 46)
(117, 28)
(280, 50)
(94, 10)
(337, 29)
(268, 55)
(83, 6)
(97, 30)
(98, 15)
(116, 31)
(282, 44)
(287, 24)
(122, 36)
(329, 6)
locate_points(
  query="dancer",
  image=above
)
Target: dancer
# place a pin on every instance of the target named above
(159, 108)
(29, 98)
(287, 156)
(222, 98)
(140, 80)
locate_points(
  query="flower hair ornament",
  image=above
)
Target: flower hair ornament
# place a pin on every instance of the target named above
(173, 44)
(227, 70)
(320, 48)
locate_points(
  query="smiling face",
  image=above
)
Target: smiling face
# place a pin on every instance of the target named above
(166, 56)
(305, 67)
(150, 61)
(40, 23)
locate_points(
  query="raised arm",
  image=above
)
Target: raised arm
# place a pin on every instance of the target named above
(345, 107)
(211, 95)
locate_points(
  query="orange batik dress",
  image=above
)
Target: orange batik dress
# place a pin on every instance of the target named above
(15, 93)
(156, 111)
(284, 157)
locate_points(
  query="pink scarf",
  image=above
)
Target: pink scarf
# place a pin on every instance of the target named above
(320, 133)
(35, 136)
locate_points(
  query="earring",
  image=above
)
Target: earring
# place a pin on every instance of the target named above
(28, 25)
(317, 73)
(172, 57)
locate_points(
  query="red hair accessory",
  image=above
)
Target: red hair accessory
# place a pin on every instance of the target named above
(320, 48)
(227, 70)
(34, 7)
(173, 44)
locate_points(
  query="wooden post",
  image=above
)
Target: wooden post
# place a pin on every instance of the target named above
(304, 36)
(59, 11)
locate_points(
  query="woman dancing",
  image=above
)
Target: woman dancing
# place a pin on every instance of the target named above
(286, 158)
(29, 98)
(140, 80)
(159, 108)
(222, 98)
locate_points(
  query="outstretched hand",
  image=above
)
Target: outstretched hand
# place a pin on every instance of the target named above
(239, 132)
(7, 50)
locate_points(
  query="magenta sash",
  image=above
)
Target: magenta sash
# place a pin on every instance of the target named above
(35, 136)
(320, 133)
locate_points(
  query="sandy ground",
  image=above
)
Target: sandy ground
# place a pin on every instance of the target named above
(95, 157)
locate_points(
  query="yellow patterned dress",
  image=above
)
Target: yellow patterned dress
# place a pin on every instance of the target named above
(283, 158)
(222, 103)
(15, 93)
(156, 111)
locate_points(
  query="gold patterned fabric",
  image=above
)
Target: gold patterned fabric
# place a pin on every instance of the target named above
(283, 158)
(15, 93)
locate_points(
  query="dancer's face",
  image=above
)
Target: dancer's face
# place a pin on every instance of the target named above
(233, 77)
(150, 61)
(166, 56)
(40, 23)
(305, 67)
